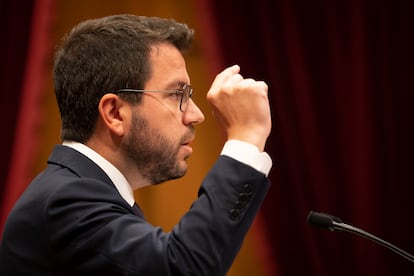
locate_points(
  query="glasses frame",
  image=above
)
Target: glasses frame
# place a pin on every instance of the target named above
(186, 93)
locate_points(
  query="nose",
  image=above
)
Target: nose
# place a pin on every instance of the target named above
(192, 115)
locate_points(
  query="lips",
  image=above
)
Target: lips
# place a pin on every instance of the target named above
(186, 146)
(188, 142)
(188, 138)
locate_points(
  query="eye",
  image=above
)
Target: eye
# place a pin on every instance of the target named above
(177, 94)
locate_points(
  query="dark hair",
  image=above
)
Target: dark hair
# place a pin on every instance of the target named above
(103, 55)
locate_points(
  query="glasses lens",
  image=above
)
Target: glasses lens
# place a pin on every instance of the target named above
(185, 96)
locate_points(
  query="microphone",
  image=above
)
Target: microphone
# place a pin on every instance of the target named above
(326, 221)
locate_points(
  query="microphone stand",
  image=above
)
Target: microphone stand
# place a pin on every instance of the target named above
(323, 220)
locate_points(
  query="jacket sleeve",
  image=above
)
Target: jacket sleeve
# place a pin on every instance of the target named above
(92, 231)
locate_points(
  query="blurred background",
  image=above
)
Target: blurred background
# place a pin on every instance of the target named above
(341, 84)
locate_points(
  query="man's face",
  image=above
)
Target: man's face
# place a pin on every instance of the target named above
(159, 138)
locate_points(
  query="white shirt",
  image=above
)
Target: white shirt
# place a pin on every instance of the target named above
(239, 150)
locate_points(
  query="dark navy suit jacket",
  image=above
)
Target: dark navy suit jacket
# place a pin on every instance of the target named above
(71, 220)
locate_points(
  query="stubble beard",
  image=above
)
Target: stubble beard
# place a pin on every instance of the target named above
(153, 154)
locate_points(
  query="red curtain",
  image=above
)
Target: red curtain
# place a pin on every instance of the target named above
(341, 83)
(15, 18)
(25, 25)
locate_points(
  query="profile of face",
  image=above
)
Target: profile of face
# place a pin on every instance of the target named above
(160, 136)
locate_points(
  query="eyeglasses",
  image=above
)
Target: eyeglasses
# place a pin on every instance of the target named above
(184, 93)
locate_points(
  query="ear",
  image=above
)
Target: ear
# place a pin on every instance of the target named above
(114, 113)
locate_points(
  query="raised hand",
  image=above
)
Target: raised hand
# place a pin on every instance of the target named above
(241, 106)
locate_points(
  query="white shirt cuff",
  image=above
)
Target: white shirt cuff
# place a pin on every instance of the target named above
(248, 154)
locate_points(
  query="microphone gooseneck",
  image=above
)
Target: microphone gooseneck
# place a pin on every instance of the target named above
(326, 221)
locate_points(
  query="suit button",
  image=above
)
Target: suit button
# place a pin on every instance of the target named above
(239, 205)
(248, 189)
(244, 198)
(234, 214)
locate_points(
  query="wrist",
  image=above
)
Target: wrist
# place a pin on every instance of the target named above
(251, 138)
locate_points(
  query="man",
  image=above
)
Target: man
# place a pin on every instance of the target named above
(128, 120)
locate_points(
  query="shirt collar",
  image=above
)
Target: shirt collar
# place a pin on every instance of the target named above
(117, 178)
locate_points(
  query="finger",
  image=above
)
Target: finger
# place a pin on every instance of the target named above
(263, 86)
(224, 76)
(236, 78)
(258, 86)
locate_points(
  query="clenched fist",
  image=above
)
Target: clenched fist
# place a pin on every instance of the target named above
(241, 107)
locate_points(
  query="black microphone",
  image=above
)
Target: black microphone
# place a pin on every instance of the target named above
(326, 221)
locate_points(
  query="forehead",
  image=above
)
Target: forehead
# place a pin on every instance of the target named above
(167, 65)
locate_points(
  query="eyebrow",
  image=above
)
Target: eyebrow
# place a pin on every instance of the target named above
(177, 84)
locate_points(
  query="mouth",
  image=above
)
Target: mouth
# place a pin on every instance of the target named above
(186, 146)
(188, 142)
(188, 139)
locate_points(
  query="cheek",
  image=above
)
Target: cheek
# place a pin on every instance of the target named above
(169, 131)
(171, 126)
(167, 124)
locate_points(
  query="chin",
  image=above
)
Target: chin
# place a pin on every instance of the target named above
(183, 169)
